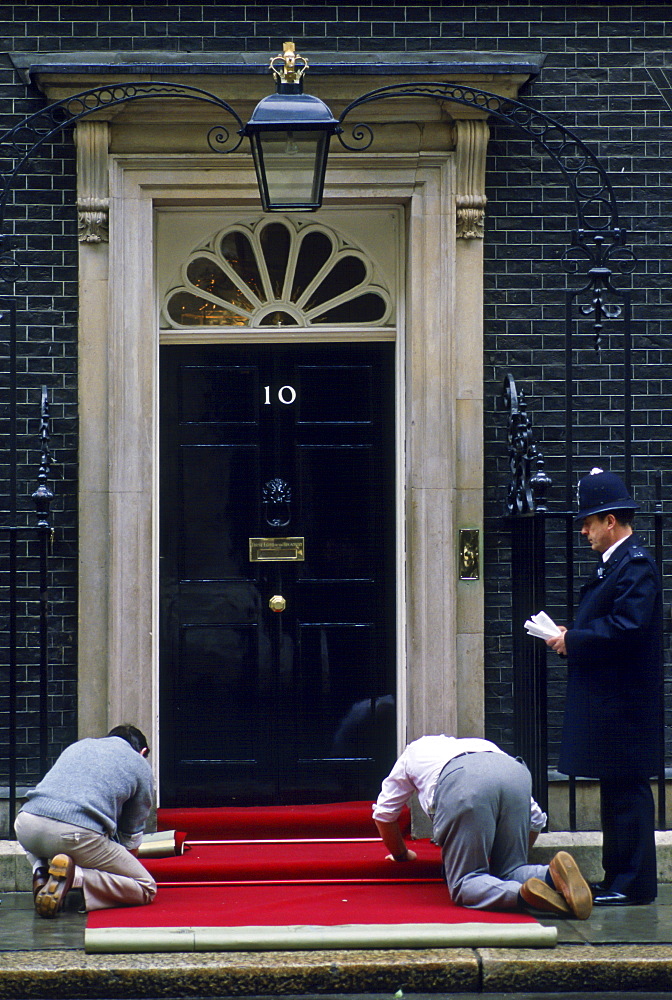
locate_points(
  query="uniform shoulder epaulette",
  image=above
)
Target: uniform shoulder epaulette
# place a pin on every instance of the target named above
(638, 553)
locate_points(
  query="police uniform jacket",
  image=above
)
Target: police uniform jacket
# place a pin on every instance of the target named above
(614, 670)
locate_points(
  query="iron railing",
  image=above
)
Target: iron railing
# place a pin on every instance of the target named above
(24, 571)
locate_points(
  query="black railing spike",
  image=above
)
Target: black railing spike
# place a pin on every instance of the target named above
(43, 495)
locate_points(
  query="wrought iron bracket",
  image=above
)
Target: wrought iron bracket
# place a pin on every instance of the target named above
(598, 246)
(19, 143)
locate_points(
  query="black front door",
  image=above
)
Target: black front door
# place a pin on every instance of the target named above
(277, 669)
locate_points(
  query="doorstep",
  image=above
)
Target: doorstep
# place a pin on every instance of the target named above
(585, 846)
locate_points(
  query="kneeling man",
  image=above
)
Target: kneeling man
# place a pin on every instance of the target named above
(81, 826)
(484, 819)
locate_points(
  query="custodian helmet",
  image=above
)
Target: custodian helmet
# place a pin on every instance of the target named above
(599, 492)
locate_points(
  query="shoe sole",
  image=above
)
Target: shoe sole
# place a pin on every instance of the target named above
(571, 883)
(540, 896)
(49, 900)
(39, 881)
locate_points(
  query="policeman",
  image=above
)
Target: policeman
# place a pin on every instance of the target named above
(611, 727)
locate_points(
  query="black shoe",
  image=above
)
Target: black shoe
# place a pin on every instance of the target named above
(612, 898)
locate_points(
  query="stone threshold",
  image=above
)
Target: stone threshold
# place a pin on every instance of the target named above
(586, 847)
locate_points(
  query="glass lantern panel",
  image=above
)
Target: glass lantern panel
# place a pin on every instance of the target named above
(293, 167)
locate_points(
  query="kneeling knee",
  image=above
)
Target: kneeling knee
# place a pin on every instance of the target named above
(148, 892)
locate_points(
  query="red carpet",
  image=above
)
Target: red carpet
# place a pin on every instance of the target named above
(292, 860)
(309, 905)
(297, 877)
(333, 819)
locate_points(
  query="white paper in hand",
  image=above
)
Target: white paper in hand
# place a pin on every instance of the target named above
(542, 626)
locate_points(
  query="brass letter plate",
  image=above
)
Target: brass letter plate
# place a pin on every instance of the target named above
(277, 549)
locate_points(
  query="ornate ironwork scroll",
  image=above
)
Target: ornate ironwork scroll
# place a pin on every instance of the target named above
(18, 144)
(526, 493)
(599, 296)
(529, 481)
(598, 246)
(16, 656)
(598, 241)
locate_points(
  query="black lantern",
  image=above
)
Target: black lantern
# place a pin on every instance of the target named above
(289, 132)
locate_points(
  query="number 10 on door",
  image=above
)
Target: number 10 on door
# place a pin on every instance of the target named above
(286, 395)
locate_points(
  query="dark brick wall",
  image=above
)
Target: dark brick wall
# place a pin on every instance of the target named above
(38, 270)
(596, 80)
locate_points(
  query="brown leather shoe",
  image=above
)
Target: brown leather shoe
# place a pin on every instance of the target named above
(570, 882)
(49, 900)
(539, 896)
(40, 879)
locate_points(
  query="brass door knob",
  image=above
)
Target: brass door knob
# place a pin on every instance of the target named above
(277, 603)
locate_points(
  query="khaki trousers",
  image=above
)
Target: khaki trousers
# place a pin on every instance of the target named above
(112, 876)
(482, 823)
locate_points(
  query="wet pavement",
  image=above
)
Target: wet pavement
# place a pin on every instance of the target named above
(616, 952)
(22, 930)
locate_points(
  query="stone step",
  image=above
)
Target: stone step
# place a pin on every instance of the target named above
(586, 847)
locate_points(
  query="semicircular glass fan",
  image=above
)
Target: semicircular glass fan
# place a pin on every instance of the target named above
(276, 273)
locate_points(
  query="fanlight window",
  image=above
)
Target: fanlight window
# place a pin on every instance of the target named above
(277, 273)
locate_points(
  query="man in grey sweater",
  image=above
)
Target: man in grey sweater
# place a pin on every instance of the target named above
(81, 826)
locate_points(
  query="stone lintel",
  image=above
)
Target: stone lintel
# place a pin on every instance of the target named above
(244, 79)
(33, 67)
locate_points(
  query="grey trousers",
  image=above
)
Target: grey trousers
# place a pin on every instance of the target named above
(111, 875)
(482, 824)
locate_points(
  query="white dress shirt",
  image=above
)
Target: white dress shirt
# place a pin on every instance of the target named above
(418, 770)
(606, 555)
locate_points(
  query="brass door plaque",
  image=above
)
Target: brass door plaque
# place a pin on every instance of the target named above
(277, 549)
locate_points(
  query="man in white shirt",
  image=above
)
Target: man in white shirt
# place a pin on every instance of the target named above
(484, 819)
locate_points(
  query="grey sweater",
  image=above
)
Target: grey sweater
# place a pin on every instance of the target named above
(101, 785)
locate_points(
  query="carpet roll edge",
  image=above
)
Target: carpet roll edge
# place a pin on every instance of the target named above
(118, 940)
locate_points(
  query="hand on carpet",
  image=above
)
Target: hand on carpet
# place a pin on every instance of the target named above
(410, 856)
